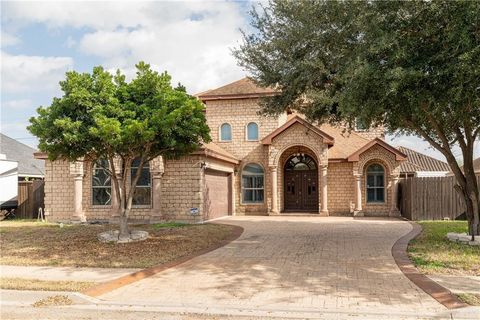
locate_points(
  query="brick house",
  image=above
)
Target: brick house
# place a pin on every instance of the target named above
(254, 165)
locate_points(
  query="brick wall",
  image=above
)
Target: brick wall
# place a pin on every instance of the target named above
(340, 187)
(58, 190)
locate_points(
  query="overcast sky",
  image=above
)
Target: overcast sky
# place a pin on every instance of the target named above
(191, 40)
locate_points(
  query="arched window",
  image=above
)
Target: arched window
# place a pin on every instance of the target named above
(101, 184)
(225, 132)
(375, 183)
(252, 183)
(143, 190)
(252, 131)
(300, 161)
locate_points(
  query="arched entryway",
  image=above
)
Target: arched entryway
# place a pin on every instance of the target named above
(300, 183)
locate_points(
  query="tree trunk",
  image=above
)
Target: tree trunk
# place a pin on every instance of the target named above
(124, 232)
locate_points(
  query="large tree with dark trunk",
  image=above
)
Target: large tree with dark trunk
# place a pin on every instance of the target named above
(101, 116)
(411, 66)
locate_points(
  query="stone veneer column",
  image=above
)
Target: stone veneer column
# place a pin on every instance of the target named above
(157, 170)
(273, 175)
(324, 186)
(358, 195)
(394, 184)
(76, 170)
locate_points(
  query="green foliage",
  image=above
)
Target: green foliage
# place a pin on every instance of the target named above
(170, 225)
(101, 115)
(395, 63)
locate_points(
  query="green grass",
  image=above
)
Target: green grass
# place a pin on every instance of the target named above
(433, 253)
(170, 225)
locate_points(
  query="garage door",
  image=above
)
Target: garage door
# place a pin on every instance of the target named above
(217, 194)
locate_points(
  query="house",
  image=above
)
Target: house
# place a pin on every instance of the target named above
(255, 165)
(21, 175)
(476, 168)
(29, 168)
(421, 165)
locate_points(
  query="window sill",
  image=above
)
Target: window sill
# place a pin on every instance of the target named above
(377, 203)
(252, 203)
(224, 141)
(100, 206)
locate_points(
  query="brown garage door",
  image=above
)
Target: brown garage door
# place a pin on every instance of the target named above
(217, 194)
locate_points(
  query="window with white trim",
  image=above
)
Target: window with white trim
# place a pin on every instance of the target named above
(101, 184)
(225, 132)
(252, 183)
(252, 131)
(142, 195)
(375, 183)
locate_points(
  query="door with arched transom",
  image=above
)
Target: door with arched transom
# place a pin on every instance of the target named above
(300, 184)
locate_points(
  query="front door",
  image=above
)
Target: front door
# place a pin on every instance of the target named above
(301, 184)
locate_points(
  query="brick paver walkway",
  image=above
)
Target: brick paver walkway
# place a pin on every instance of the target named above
(291, 263)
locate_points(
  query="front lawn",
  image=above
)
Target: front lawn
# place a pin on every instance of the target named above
(43, 285)
(42, 244)
(433, 253)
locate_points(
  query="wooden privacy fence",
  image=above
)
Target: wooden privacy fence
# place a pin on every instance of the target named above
(430, 198)
(30, 198)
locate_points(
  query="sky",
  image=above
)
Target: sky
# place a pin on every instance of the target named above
(192, 40)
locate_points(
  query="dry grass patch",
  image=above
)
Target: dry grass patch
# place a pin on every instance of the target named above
(57, 300)
(433, 253)
(470, 298)
(34, 243)
(42, 285)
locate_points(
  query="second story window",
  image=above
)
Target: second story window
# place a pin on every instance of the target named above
(225, 132)
(360, 125)
(252, 131)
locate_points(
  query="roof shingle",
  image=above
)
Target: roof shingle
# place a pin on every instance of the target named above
(417, 161)
(17, 151)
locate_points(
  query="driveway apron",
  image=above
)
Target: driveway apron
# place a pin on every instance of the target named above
(291, 263)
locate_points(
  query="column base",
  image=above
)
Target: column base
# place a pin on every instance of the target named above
(358, 213)
(324, 213)
(273, 213)
(394, 213)
(79, 217)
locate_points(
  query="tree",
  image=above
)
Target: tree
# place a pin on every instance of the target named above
(101, 116)
(412, 66)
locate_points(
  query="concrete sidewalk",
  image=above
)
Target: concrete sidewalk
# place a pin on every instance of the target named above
(17, 304)
(458, 284)
(64, 273)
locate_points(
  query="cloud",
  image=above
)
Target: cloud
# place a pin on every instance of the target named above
(16, 104)
(191, 40)
(9, 39)
(32, 73)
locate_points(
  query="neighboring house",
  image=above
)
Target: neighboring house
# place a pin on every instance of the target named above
(421, 165)
(476, 168)
(254, 165)
(28, 167)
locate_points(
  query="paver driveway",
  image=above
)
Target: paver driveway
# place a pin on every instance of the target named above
(291, 263)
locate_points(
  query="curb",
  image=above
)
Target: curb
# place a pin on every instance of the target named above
(432, 288)
(145, 273)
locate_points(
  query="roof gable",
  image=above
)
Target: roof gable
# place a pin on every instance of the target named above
(240, 89)
(17, 151)
(399, 156)
(417, 161)
(326, 138)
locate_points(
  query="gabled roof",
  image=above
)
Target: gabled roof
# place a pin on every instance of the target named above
(417, 161)
(241, 89)
(213, 150)
(346, 141)
(296, 119)
(17, 151)
(399, 156)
